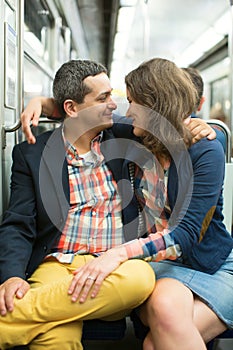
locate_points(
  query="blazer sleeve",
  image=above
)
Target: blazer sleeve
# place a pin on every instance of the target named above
(18, 228)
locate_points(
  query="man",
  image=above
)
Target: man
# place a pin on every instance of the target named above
(199, 84)
(65, 208)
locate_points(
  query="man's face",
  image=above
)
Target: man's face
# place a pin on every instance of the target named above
(96, 110)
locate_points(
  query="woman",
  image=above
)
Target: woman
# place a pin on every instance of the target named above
(192, 301)
(188, 242)
(185, 310)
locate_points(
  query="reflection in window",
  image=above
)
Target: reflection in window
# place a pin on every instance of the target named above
(220, 100)
(41, 84)
(37, 22)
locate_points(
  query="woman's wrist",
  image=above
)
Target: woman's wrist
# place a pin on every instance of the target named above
(118, 253)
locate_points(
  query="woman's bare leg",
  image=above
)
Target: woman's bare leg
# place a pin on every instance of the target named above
(206, 321)
(169, 313)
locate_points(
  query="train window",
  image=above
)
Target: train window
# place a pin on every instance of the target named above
(40, 85)
(10, 17)
(220, 99)
(37, 22)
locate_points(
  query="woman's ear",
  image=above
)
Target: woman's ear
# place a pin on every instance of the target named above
(70, 107)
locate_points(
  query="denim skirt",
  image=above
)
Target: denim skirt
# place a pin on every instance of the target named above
(215, 290)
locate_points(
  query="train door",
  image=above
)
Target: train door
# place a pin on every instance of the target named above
(11, 21)
(35, 41)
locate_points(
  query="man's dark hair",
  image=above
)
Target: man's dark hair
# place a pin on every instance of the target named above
(198, 83)
(68, 82)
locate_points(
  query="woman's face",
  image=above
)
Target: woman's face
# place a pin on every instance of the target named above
(139, 115)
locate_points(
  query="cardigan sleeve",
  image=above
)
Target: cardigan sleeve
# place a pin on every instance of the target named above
(195, 212)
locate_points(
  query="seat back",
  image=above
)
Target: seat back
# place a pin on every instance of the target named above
(228, 182)
(227, 199)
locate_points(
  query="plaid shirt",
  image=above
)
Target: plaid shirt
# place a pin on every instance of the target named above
(94, 222)
(151, 191)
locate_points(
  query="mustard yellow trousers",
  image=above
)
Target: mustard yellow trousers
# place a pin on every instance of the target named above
(47, 318)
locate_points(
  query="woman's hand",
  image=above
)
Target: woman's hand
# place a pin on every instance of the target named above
(91, 275)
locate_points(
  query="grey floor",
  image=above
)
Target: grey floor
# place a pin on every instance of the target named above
(131, 343)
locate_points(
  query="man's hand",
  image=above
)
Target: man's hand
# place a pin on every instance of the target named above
(14, 286)
(91, 276)
(31, 114)
(200, 129)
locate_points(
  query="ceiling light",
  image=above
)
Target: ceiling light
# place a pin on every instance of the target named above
(128, 3)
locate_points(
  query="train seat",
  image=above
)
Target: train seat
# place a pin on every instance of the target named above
(227, 205)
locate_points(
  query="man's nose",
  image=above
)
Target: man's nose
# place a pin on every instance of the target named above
(112, 104)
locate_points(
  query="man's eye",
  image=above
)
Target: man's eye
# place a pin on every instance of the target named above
(103, 99)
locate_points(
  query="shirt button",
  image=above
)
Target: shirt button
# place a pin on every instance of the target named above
(93, 213)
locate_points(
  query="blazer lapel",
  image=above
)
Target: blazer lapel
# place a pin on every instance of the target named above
(53, 178)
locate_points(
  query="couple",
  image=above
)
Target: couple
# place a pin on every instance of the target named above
(94, 201)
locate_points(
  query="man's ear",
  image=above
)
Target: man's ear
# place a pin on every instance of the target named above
(70, 107)
(201, 103)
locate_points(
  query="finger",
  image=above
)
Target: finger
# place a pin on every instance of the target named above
(26, 120)
(86, 290)
(97, 285)
(3, 310)
(22, 291)
(9, 300)
(28, 134)
(199, 133)
(194, 128)
(80, 276)
(31, 116)
(76, 285)
(73, 282)
(212, 135)
(35, 119)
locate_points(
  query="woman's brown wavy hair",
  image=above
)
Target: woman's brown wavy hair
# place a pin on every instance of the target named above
(169, 93)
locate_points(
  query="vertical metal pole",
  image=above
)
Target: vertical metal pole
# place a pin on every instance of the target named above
(230, 50)
(20, 87)
(20, 54)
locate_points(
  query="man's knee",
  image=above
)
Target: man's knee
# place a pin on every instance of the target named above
(138, 277)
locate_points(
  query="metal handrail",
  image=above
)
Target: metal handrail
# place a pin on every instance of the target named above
(18, 124)
(13, 127)
(224, 128)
